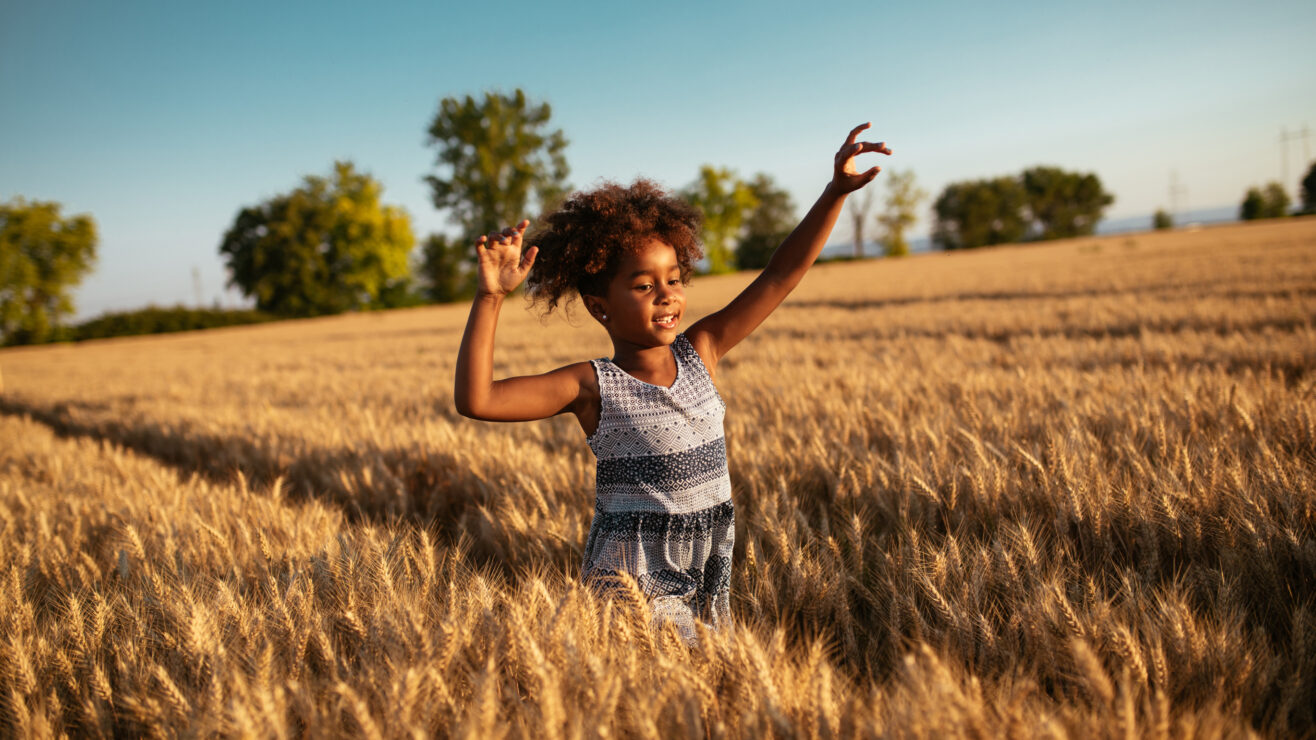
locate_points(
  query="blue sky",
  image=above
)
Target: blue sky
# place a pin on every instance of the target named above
(163, 119)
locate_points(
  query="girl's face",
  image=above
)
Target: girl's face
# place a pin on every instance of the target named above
(645, 299)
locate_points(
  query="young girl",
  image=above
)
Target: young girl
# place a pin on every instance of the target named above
(651, 413)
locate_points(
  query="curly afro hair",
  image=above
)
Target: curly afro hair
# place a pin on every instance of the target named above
(581, 244)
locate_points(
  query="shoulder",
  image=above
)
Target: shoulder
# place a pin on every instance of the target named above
(583, 377)
(701, 344)
(578, 373)
(568, 386)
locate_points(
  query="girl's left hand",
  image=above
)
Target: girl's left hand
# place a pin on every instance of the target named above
(845, 178)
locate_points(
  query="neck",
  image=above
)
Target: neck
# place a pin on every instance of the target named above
(644, 362)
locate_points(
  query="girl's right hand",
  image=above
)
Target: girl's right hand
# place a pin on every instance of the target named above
(845, 177)
(502, 264)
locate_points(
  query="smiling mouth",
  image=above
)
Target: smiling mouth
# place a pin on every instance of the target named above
(667, 322)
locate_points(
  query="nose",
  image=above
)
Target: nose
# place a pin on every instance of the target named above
(667, 292)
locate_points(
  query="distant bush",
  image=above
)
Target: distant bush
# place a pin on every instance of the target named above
(156, 320)
(1268, 202)
(1162, 221)
(1039, 203)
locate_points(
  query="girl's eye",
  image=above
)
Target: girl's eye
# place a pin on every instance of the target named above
(643, 287)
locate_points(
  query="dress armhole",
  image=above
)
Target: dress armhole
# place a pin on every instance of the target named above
(603, 409)
(693, 358)
(687, 349)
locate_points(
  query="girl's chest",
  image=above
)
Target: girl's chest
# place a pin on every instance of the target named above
(658, 421)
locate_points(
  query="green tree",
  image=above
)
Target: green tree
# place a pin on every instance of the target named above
(726, 201)
(1278, 200)
(495, 155)
(768, 224)
(445, 273)
(328, 246)
(1254, 203)
(1309, 190)
(1268, 202)
(903, 197)
(1064, 204)
(976, 213)
(1162, 220)
(42, 256)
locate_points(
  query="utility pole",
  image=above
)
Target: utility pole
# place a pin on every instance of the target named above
(196, 285)
(1284, 138)
(859, 214)
(1176, 190)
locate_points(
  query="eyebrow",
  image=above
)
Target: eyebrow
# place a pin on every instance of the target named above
(638, 273)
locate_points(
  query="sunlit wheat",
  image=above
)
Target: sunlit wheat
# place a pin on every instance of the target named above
(1062, 489)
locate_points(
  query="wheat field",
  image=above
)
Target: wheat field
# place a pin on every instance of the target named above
(1057, 490)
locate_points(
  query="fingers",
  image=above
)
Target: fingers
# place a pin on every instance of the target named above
(491, 246)
(854, 132)
(515, 232)
(528, 259)
(861, 147)
(510, 235)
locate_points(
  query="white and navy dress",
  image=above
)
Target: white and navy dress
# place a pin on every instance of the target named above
(663, 508)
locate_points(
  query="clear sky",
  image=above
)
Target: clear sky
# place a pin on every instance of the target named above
(163, 119)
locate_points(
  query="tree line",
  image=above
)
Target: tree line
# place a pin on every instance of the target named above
(332, 245)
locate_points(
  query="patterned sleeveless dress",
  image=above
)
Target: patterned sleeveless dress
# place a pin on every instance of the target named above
(663, 508)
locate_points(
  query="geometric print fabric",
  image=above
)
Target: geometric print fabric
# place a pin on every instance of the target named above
(663, 510)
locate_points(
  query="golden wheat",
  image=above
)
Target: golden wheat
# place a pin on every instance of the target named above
(1064, 489)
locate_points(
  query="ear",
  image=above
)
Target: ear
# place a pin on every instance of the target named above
(597, 307)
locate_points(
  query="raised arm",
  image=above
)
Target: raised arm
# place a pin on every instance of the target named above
(502, 267)
(717, 333)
